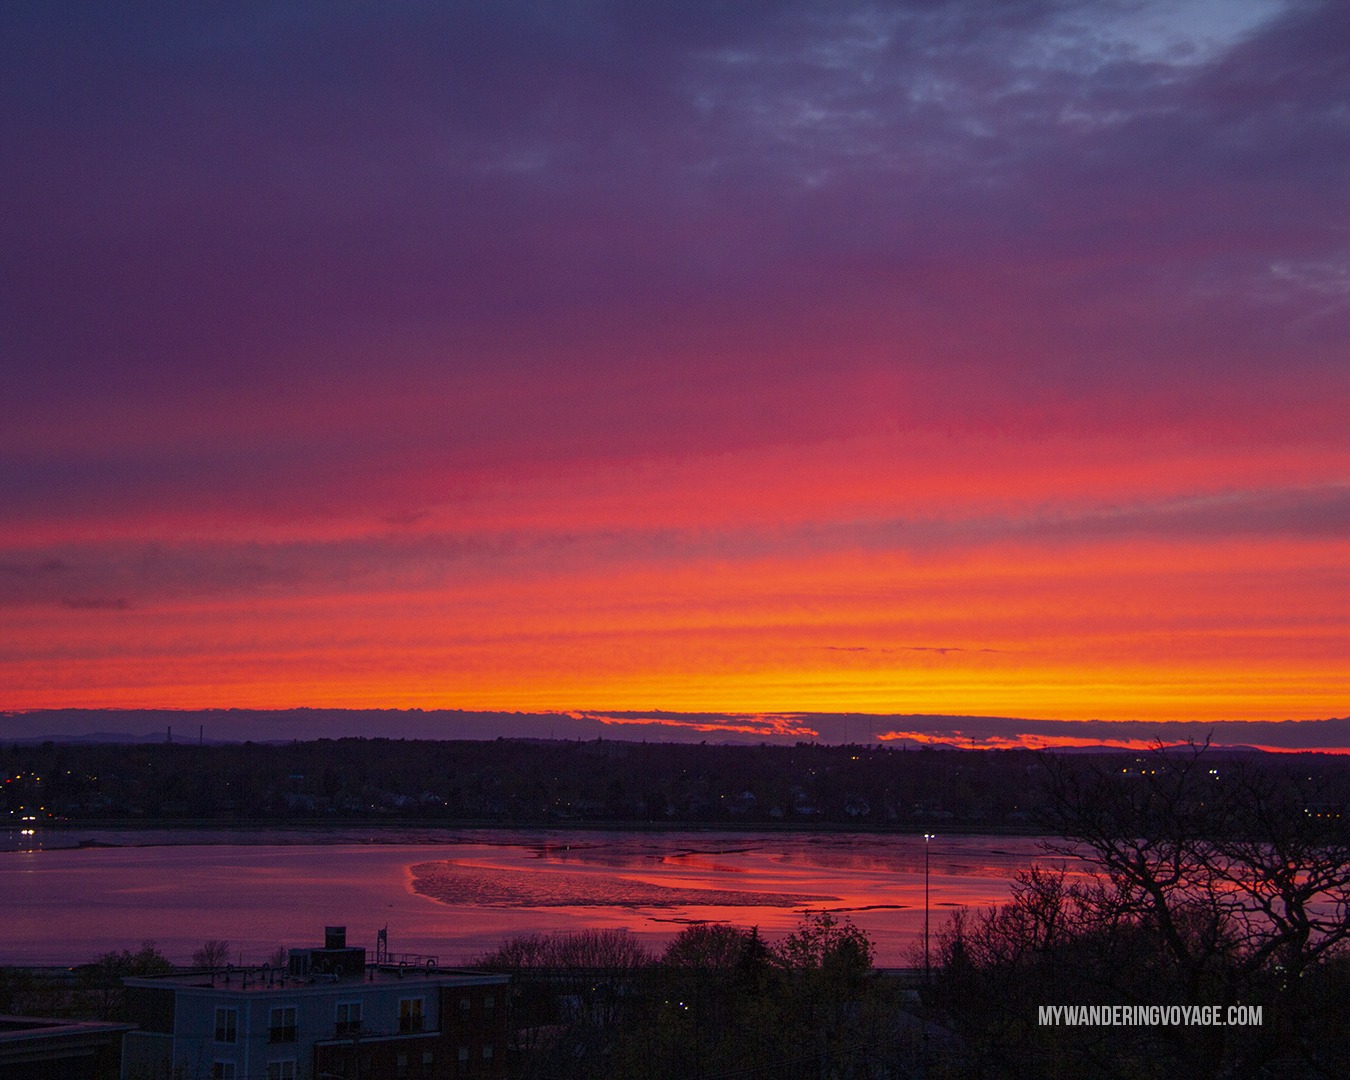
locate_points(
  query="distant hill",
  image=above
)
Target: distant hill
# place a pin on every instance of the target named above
(783, 729)
(555, 782)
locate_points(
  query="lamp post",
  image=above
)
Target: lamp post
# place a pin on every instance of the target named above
(927, 967)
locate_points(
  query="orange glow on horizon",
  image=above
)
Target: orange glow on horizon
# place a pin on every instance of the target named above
(960, 741)
(916, 611)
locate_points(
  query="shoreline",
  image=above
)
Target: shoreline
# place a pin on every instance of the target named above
(325, 832)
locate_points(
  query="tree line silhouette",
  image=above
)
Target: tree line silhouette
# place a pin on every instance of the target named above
(518, 782)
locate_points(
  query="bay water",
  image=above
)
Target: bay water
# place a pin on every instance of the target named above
(455, 894)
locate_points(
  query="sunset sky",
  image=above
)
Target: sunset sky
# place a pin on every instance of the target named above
(961, 357)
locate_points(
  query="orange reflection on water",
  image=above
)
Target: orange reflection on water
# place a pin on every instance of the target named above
(459, 898)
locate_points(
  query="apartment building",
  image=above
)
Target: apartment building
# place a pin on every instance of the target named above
(326, 1015)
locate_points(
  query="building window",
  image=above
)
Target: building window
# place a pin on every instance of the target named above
(409, 1015)
(281, 1070)
(465, 1006)
(281, 1028)
(227, 1025)
(489, 1004)
(487, 1053)
(428, 1060)
(401, 1067)
(349, 1018)
(222, 1070)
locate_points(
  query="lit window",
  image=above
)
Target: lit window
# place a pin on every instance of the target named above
(227, 1025)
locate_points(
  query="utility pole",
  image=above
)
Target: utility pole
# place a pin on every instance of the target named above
(927, 965)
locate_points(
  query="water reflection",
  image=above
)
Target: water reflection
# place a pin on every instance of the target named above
(457, 893)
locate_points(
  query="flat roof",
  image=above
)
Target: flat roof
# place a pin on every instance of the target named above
(278, 980)
(25, 1027)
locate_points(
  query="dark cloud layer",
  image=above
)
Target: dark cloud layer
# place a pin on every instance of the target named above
(161, 572)
(234, 200)
(970, 732)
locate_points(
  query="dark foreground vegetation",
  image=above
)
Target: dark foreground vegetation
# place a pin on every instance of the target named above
(720, 1002)
(1212, 883)
(525, 782)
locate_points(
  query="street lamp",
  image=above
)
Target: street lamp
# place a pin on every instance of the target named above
(927, 968)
